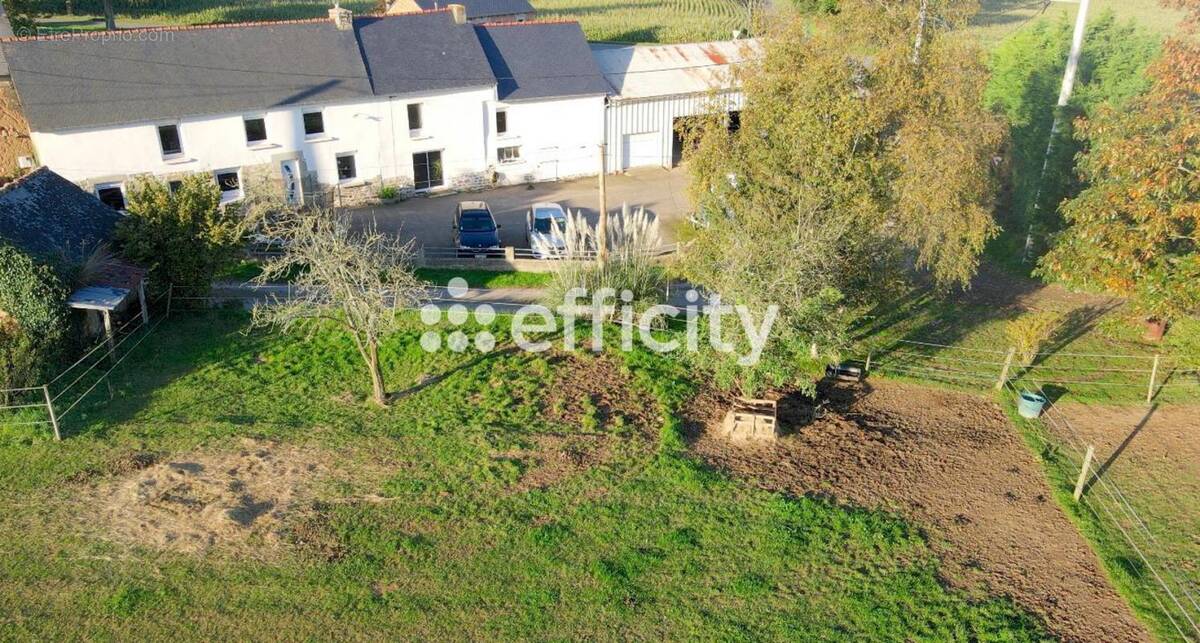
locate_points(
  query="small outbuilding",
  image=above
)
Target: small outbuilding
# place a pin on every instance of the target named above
(51, 219)
(656, 88)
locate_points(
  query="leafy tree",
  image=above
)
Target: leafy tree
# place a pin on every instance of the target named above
(844, 167)
(356, 281)
(33, 318)
(20, 16)
(1135, 230)
(1027, 70)
(184, 236)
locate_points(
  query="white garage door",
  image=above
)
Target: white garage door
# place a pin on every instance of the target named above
(640, 149)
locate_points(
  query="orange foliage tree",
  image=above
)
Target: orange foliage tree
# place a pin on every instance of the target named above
(1135, 230)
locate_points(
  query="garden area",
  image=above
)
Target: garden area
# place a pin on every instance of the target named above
(235, 480)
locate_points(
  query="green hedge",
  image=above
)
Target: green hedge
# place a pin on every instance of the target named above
(33, 297)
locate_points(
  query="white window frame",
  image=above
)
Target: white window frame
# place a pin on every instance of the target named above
(319, 135)
(508, 161)
(266, 135)
(230, 195)
(417, 131)
(340, 155)
(172, 156)
(120, 185)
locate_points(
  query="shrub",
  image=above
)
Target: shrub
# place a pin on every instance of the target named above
(185, 236)
(1030, 331)
(33, 321)
(388, 192)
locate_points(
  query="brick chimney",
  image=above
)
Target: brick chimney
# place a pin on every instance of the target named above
(343, 19)
(459, 12)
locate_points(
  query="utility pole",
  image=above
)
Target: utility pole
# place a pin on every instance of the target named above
(1064, 97)
(602, 225)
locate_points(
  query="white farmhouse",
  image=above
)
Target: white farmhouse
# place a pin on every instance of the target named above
(321, 109)
(656, 88)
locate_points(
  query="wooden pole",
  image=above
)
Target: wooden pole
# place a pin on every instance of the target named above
(1153, 377)
(1083, 473)
(602, 225)
(867, 366)
(142, 300)
(1012, 352)
(50, 408)
(108, 335)
(170, 291)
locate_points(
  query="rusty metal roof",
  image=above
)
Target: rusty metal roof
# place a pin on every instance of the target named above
(644, 71)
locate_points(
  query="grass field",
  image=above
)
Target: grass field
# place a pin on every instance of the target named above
(616, 20)
(643, 544)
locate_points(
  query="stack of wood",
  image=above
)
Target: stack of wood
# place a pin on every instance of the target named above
(751, 420)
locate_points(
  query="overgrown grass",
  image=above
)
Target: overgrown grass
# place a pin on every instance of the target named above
(648, 545)
(246, 269)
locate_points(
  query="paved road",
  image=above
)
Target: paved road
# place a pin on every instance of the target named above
(427, 219)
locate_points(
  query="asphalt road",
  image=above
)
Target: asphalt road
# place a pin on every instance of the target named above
(427, 219)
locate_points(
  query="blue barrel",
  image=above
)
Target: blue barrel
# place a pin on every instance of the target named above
(1030, 404)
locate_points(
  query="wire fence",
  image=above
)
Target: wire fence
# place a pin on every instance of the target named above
(49, 404)
(1169, 583)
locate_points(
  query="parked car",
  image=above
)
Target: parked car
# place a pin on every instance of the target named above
(475, 228)
(545, 224)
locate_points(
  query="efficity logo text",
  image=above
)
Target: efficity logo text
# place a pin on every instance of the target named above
(531, 324)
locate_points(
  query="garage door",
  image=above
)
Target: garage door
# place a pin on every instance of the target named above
(640, 149)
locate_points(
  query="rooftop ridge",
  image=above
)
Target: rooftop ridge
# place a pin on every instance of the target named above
(17, 182)
(74, 35)
(522, 23)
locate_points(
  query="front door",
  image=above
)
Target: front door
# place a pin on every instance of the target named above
(293, 192)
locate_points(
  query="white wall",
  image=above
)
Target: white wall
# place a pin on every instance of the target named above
(647, 118)
(376, 131)
(558, 139)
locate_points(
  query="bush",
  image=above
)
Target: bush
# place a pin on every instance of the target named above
(185, 236)
(388, 192)
(33, 318)
(1030, 331)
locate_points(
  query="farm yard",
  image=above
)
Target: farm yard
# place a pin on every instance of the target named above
(511, 494)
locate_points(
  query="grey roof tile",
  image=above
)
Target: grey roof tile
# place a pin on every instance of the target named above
(158, 74)
(534, 60)
(420, 52)
(48, 216)
(481, 8)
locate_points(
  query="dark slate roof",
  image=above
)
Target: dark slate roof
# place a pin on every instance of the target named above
(158, 74)
(541, 60)
(477, 9)
(419, 52)
(48, 216)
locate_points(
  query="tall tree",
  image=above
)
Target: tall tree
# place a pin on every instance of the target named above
(185, 235)
(1135, 230)
(355, 281)
(860, 147)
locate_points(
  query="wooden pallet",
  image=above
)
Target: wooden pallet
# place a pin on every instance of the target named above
(751, 420)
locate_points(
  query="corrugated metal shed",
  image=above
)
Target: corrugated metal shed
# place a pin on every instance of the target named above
(645, 71)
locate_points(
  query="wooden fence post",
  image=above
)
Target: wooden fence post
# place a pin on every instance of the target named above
(867, 366)
(1012, 352)
(1153, 377)
(170, 291)
(1083, 473)
(50, 408)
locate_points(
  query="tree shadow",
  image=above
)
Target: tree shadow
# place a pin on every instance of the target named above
(1103, 468)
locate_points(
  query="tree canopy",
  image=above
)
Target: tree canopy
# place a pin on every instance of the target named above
(1135, 230)
(861, 147)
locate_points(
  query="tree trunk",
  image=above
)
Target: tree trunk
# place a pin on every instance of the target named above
(1155, 329)
(377, 388)
(922, 16)
(110, 21)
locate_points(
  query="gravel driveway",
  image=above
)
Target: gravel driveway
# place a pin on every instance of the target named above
(427, 219)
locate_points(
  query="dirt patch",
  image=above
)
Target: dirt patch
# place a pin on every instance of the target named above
(592, 397)
(952, 463)
(996, 288)
(233, 501)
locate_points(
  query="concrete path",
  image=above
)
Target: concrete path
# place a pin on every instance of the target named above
(428, 219)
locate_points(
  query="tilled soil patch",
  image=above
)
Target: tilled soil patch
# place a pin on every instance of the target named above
(953, 463)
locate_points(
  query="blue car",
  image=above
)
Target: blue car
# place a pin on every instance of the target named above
(474, 227)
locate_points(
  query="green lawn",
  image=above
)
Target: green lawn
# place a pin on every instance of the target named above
(647, 544)
(247, 269)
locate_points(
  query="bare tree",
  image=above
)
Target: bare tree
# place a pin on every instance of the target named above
(357, 281)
